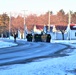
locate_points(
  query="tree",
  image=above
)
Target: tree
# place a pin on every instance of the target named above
(61, 12)
(31, 20)
(73, 17)
(62, 29)
(4, 22)
(61, 18)
(17, 23)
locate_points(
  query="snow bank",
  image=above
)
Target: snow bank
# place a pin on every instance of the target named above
(6, 44)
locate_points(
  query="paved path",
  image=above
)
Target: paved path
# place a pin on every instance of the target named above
(27, 50)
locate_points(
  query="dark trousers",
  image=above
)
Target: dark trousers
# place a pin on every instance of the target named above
(14, 39)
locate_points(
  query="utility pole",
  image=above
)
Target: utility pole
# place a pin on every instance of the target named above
(69, 22)
(24, 25)
(49, 21)
(9, 24)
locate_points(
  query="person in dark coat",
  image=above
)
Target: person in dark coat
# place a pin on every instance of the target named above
(29, 37)
(48, 38)
(15, 36)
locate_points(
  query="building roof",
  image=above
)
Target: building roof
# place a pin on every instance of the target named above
(39, 27)
(73, 26)
(61, 27)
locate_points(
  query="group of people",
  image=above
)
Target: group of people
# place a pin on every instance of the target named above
(38, 37)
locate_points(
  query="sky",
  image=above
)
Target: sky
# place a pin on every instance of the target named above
(36, 6)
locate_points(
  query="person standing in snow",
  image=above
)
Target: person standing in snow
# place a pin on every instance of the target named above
(15, 35)
(48, 38)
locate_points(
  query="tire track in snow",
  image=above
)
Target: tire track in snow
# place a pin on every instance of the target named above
(4, 55)
(25, 47)
(38, 49)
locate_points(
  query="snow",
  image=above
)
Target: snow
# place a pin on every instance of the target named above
(4, 44)
(47, 66)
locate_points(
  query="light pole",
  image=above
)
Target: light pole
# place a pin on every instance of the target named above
(9, 24)
(49, 21)
(24, 25)
(69, 21)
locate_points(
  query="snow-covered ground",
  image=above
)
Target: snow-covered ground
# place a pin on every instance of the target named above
(6, 44)
(48, 66)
